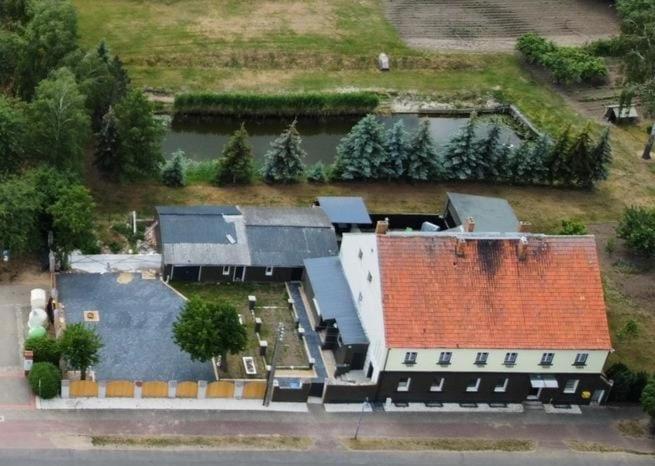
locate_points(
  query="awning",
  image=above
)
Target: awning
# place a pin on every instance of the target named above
(543, 381)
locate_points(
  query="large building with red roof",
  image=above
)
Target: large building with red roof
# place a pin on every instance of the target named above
(473, 317)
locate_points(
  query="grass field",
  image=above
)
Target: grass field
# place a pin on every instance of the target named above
(317, 45)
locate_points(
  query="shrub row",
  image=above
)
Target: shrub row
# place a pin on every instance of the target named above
(307, 104)
(567, 64)
(628, 384)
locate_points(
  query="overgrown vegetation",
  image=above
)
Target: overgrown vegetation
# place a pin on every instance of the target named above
(253, 442)
(637, 228)
(446, 444)
(306, 104)
(567, 64)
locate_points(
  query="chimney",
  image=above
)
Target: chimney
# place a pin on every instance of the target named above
(459, 247)
(382, 227)
(523, 248)
(469, 225)
(524, 227)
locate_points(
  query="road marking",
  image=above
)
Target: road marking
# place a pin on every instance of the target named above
(2, 419)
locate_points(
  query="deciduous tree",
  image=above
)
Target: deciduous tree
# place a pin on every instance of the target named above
(72, 220)
(80, 347)
(12, 137)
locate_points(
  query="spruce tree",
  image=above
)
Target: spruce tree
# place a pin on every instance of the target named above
(361, 154)
(173, 173)
(460, 158)
(557, 162)
(488, 152)
(579, 159)
(601, 157)
(236, 165)
(283, 163)
(526, 165)
(107, 157)
(539, 156)
(423, 162)
(504, 163)
(317, 173)
(397, 143)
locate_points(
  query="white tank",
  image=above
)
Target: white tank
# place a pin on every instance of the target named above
(38, 298)
(37, 318)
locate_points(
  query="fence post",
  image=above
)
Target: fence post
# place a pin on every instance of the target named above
(172, 388)
(102, 389)
(138, 389)
(65, 388)
(202, 389)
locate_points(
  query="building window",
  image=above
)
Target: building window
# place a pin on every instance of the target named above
(226, 270)
(571, 386)
(445, 357)
(269, 271)
(369, 277)
(437, 384)
(547, 359)
(501, 386)
(510, 358)
(581, 359)
(403, 385)
(360, 254)
(410, 357)
(481, 358)
(474, 385)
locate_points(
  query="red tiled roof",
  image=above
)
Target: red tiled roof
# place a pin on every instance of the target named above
(488, 297)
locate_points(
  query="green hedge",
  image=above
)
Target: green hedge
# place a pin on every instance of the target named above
(310, 104)
(568, 64)
(45, 349)
(45, 380)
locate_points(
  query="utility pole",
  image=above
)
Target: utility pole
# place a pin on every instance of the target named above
(649, 144)
(361, 416)
(279, 337)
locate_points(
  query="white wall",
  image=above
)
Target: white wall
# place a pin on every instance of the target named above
(369, 307)
(463, 360)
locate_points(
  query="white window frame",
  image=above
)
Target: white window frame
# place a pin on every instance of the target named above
(403, 384)
(581, 359)
(445, 358)
(547, 359)
(474, 388)
(369, 277)
(481, 358)
(269, 271)
(437, 387)
(502, 388)
(510, 358)
(226, 270)
(568, 390)
(410, 357)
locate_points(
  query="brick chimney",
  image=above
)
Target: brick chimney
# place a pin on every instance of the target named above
(382, 227)
(469, 225)
(459, 247)
(525, 227)
(523, 248)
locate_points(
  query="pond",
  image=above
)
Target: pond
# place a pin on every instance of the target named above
(203, 138)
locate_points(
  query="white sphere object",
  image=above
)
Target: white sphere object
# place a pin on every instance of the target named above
(37, 318)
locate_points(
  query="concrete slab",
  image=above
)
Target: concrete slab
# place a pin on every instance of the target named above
(452, 408)
(573, 409)
(218, 404)
(14, 391)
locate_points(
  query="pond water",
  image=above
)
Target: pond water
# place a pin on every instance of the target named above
(203, 138)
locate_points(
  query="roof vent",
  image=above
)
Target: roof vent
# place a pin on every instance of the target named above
(523, 248)
(230, 238)
(459, 247)
(524, 227)
(91, 316)
(469, 225)
(382, 227)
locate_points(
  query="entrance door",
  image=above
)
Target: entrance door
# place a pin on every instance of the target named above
(534, 394)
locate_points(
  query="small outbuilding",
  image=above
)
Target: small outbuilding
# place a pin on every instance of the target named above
(617, 114)
(345, 213)
(489, 214)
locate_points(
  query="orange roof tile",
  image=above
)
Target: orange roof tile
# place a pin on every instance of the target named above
(488, 297)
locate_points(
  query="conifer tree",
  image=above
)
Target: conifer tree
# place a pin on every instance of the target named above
(539, 156)
(460, 158)
(362, 152)
(283, 163)
(173, 173)
(504, 162)
(317, 173)
(517, 167)
(557, 162)
(601, 157)
(423, 161)
(107, 157)
(236, 166)
(397, 143)
(579, 159)
(488, 152)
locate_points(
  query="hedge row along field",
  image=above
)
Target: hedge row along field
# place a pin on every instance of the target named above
(567, 64)
(306, 104)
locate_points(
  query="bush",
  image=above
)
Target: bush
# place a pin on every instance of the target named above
(637, 228)
(628, 385)
(567, 64)
(572, 227)
(312, 104)
(173, 173)
(317, 173)
(45, 349)
(45, 380)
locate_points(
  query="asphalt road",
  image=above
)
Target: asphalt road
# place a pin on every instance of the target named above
(197, 458)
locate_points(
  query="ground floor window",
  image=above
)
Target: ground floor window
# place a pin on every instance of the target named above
(474, 385)
(437, 384)
(226, 270)
(501, 386)
(269, 271)
(403, 384)
(571, 386)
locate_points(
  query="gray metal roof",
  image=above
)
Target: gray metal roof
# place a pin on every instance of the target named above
(286, 216)
(283, 246)
(136, 318)
(491, 214)
(196, 229)
(334, 298)
(198, 210)
(342, 209)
